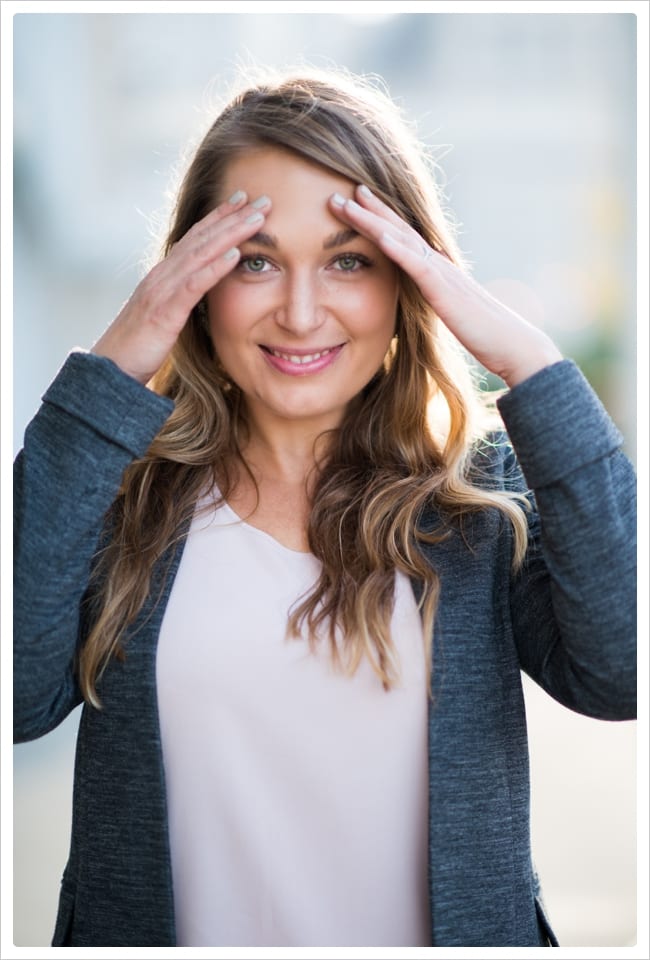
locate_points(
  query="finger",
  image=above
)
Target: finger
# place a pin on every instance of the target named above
(370, 201)
(390, 233)
(173, 287)
(416, 261)
(206, 249)
(235, 202)
(367, 199)
(199, 237)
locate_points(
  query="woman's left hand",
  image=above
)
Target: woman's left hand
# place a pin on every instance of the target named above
(501, 340)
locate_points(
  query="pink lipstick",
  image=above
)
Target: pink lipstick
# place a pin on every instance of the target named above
(299, 363)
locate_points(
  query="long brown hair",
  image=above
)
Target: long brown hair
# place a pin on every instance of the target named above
(405, 441)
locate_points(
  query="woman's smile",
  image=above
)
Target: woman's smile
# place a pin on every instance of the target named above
(298, 362)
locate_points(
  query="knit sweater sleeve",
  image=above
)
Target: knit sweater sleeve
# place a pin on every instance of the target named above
(573, 603)
(93, 422)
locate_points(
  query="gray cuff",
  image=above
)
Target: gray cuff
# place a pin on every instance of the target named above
(557, 424)
(95, 391)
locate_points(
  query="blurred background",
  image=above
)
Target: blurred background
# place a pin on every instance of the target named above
(532, 117)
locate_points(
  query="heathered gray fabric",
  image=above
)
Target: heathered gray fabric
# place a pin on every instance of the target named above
(568, 619)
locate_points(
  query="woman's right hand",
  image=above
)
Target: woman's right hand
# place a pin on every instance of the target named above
(146, 328)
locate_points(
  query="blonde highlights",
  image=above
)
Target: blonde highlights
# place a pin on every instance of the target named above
(405, 440)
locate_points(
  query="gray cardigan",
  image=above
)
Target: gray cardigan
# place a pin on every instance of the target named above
(567, 619)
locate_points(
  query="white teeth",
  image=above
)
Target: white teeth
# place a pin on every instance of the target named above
(308, 358)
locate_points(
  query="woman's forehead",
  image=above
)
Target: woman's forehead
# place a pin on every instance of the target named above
(279, 168)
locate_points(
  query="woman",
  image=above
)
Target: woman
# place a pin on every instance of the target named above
(267, 534)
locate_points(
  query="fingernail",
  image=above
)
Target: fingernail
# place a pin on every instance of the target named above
(255, 218)
(261, 202)
(231, 254)
(364, 191)
(338, 200)
(237, 197)
(391, 241)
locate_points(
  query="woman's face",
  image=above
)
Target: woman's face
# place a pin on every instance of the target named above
(304, 320)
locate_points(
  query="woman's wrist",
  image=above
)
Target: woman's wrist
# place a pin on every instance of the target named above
(543, 353)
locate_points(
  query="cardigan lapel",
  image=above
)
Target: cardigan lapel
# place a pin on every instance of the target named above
(121, 767)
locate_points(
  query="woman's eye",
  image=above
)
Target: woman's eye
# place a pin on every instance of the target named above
(349, 262)
(254, 264)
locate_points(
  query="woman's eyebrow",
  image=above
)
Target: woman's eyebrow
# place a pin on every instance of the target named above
(340, 238)
(336, 240)
(263, 240)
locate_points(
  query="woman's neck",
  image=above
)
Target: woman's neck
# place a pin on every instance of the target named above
(273, 485)
(288, 453)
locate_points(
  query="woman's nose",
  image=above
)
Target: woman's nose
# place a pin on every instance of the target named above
(302, 310)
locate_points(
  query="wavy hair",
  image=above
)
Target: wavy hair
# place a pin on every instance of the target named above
(405, 441)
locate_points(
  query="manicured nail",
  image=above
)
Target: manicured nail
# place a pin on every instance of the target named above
(338, 200)
(237, 197)
(262, 201)
(255, 218)
(231, 254)
(364, 191)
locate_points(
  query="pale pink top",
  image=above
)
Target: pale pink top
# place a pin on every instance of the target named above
(297, 795)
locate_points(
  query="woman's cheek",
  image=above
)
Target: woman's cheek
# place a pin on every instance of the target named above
(229, 305)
